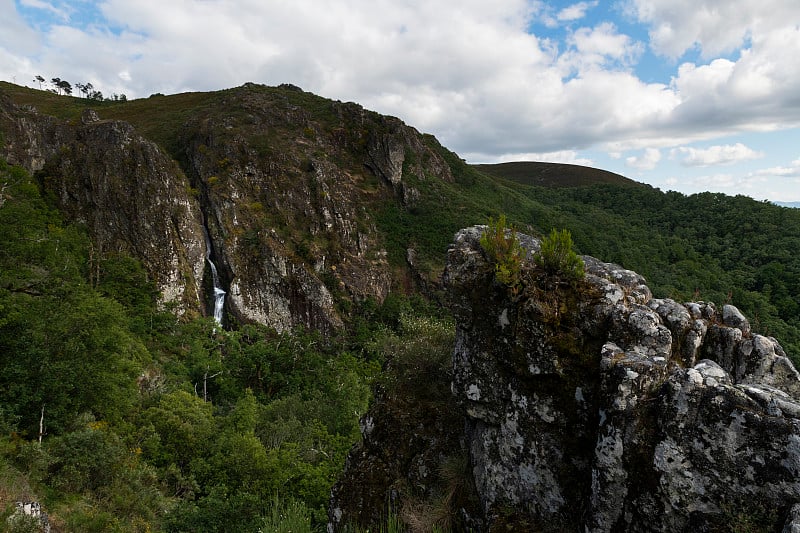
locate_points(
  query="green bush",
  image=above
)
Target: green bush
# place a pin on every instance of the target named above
(22, 523)
(85, 460)
(557, 257)
(286, 516)
(504, 250)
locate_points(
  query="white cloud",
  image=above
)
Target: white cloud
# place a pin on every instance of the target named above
(647, 161)
(714, 26)
(543, 13)
(562, 156)
(727, 182)
(468, 72)
(715, 181)
(601, 45)
(16, 38)
(575, 11)
(758, 90)
(704, 79)
(715, 155)
(791, 171)
(753, 88)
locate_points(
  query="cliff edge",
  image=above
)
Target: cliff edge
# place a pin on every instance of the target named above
(591, 406)
(280, 189)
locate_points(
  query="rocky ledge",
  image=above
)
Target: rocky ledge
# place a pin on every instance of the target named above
(592, 406)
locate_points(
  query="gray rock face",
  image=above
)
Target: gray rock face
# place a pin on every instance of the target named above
(280, 189)
(131, 196)
(793, 520)
(594, 407)
(387, 152)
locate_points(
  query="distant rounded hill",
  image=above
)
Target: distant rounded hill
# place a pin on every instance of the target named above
(554, 174)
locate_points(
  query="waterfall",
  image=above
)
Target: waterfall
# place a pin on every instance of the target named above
(219, 294)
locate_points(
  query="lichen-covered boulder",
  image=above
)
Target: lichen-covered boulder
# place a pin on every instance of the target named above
(591, 406)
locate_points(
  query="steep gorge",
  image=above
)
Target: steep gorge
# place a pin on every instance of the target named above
(280, 191)
(594, 408)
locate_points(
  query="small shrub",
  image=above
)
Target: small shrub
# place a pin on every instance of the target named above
(19, 522)
(504, 250)
(286, 516)
(557, 257)
(441, 513)
(417, 357)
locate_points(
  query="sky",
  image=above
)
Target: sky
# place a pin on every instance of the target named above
(685, 95)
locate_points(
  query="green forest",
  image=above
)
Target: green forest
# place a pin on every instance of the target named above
(119, 415)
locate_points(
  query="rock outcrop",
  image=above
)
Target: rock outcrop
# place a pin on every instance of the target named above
(132, 197)
(279, 179)
(595, 407)
(592, 406)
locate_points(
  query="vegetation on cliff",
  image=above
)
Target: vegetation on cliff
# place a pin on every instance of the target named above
(151, 422)
(118, 416)
(557, 257)
(505, 252)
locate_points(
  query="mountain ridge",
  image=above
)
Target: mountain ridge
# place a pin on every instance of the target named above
(277, 189)
(330, 227)
(316, 200)
(546, 174)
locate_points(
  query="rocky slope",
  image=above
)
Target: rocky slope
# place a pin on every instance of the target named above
(130, 195)
(591, 406)
(281, 190)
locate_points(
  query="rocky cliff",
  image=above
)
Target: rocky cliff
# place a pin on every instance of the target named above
(591, 406)
(278, 179)
(130, 195)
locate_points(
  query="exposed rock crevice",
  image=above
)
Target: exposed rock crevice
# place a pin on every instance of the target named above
(280, 190)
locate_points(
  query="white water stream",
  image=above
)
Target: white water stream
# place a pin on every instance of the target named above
(219, 294)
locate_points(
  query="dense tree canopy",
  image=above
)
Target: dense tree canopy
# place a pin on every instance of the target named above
(150, 422)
